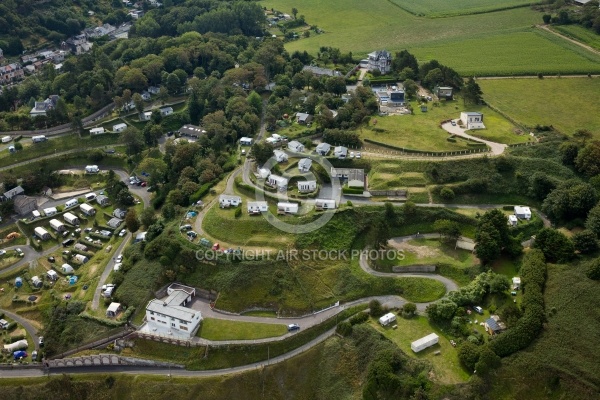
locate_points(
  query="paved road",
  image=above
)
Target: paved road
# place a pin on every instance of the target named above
(30, 255)
(107, 270)
(497, 148)
(28, 327)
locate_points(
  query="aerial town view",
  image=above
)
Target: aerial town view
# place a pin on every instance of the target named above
(283, 199)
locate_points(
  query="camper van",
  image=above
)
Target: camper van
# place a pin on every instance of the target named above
(6, 139)
(38, 139)
(92, 169)
(71, 203)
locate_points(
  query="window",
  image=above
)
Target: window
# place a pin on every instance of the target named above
(182, 322)
(173, 324)
(152, 318)
(183, 328)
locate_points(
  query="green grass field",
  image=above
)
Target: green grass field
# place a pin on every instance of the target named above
(501, 42)
(220, 329)
(531, 101)
(421, 131)
(440, 8)
(579, 33)
(446, 366)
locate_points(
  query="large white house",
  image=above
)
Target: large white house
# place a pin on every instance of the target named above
(171, 316)
(472, 120)
(381, 60)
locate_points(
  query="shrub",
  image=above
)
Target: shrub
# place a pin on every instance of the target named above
(593, 269)
(585, 241)
(238, 213)
(344, 328)
(375, 308)
(359, 318)
(555, 246)
(447, 194)
(409, 310)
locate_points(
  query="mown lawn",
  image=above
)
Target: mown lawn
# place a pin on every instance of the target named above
(422, 131)
(431, 251)
(220, 329)
(446, 366)
(531, 101)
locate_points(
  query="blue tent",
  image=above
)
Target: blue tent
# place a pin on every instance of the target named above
(72, 280)
(18, 282)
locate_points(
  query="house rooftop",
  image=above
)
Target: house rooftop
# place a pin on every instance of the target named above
(179, 312)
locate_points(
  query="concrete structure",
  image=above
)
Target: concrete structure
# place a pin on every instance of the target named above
(323, 148)
(325, 204)
(304, 165)
(287, 208)
(380, 60)
(24, 204)
(523, 212)
(340, 152)
(171, 316)
(87, 209)
(295, 146)
(119, 127)
(472, 120)
(257, 207)
(424, 342)
(278, 182)
(226, 201)
(355, 178)
(387, 319)
(307, 186)
(41, 233)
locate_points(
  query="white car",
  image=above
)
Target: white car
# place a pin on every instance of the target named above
(2, 252)
(351, 154)
(89, 239)
(358, 154)
(122, 233)
(119, 258)
(108, 285)
(117, 266)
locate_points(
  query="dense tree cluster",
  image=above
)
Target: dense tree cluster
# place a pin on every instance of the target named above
(560, 13)
(493, 237)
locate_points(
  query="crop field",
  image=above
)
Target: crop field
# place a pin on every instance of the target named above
(441, 8)
(579, 33)
(530, 102)
(498, 43)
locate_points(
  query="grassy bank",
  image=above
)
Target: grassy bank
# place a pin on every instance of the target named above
(220, 329)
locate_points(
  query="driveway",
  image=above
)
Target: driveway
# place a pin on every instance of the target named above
(497, 148)
(107, 270)
(28, 327)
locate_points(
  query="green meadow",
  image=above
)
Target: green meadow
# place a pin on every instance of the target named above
(498, 43)
(441, 8)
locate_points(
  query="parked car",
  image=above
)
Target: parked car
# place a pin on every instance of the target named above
(89, 239)
(19, 252)
(123, 232)
(358, 154)
(41, 341)
(87, 230)
(51, 259)
(478, 310)
(119, 258)
(351, 155)
(34, 355)
(143, 184)
(293, 327)
(185, 227)
(216, 246)
(20, 354)
(192, 234)
(453, 123)
(2, 252)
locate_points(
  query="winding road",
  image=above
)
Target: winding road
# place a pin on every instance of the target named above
(26, 324)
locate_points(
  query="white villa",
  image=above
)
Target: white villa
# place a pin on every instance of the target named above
(472, 120)
(171, 316)
(381, 60)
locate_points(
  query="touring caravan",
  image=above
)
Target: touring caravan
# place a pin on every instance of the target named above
(87, 209)
(70, 218)
(57, 225)
(50, 211)
(6, 139)
(387, 319)
(38, 139)
(71, 203)
(41, 233)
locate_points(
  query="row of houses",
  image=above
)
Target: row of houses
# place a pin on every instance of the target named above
(257, 207)
(164, 112)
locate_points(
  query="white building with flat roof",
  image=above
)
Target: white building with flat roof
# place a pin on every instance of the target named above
(170, 316)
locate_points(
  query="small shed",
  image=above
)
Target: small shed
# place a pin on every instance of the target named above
(57, 225)
(36, 282)
(67, 269)
(52, 275)
(71, 218)
(113, 310)
(424, 342)
(41, 233)
(387, 319)
(36, 214)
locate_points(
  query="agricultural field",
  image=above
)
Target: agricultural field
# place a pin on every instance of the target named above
(441, 8)
(221, 329)
(504, 41)
(556, 370)
(530, 102)
(579, 33)
(446, 366)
